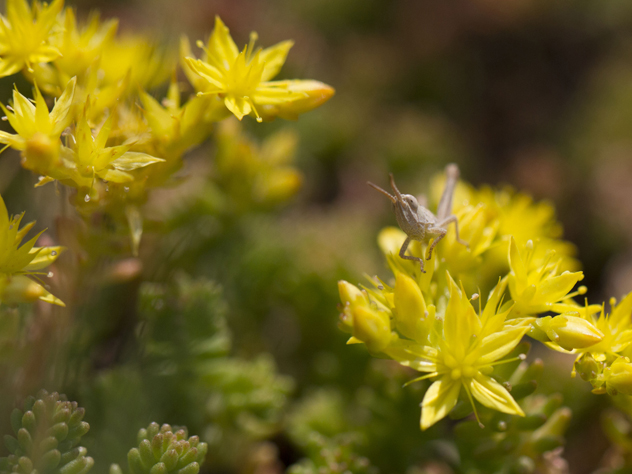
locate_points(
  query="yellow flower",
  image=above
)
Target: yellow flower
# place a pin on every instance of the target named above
(618, 377)
(525, 220)
(478, 230)
(81, 46)
(616, 329)
(38, 131)
(242, 79)
(89, 157)
(25, 35)
(137, 59)
(539, 288)
(19, 264)
(464, 358)
(253, 175)
(178, 127)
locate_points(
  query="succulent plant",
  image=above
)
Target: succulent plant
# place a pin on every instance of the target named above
(162, 450)
(47, 436)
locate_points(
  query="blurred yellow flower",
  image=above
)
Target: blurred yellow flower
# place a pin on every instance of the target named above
(179, 127)
(20, 264)
(38, 131)
(25, 35)
(538, 287)
(81, 45)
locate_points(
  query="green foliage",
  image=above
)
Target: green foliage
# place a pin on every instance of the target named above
(332, 456)
(187, 345)
(47, 436)
(163, 450)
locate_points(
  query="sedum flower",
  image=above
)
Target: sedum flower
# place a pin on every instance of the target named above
(25, 35)
(37, 130)
(20, 264)
(81, 45)
(255, 175)
(538, 287)
(178, 127)
(476, 228)
(464, 358)
(135, 59)
(523, 219)
(616, 330)
(90, 157)
(242, 79)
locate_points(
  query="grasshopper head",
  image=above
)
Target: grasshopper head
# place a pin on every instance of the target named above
(411, 201)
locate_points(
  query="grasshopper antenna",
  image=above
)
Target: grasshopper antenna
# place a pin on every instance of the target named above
(398, 195)
(387, 194)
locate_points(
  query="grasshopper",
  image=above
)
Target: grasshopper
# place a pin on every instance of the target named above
(418, 222)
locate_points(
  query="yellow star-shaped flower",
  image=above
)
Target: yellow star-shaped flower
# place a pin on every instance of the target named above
(37, 130)
(21, 263)
(25, 35)
(465, 355)
(242, 79)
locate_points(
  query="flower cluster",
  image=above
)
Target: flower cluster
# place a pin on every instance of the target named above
(93, 124)
(516, 266)
(106, 136)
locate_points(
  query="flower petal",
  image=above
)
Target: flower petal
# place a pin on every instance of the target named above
(222, 50)
(238, 106)
(274, 58)
(45, 256)
(59, 115)
(499, 344)
(493, 395)
(460, 322)
(556, 288)
(439, 400)
(132, 160)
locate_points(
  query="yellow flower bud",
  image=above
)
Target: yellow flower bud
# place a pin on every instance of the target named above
(619, 377)
(41, 153)
(20, 289)
(410, 308)
(348, 292)
(345, 323)
(371, 327)
(314, 93)
(587, 367)
(570, 331)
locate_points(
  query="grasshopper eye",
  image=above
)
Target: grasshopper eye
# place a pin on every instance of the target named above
(411, 201)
